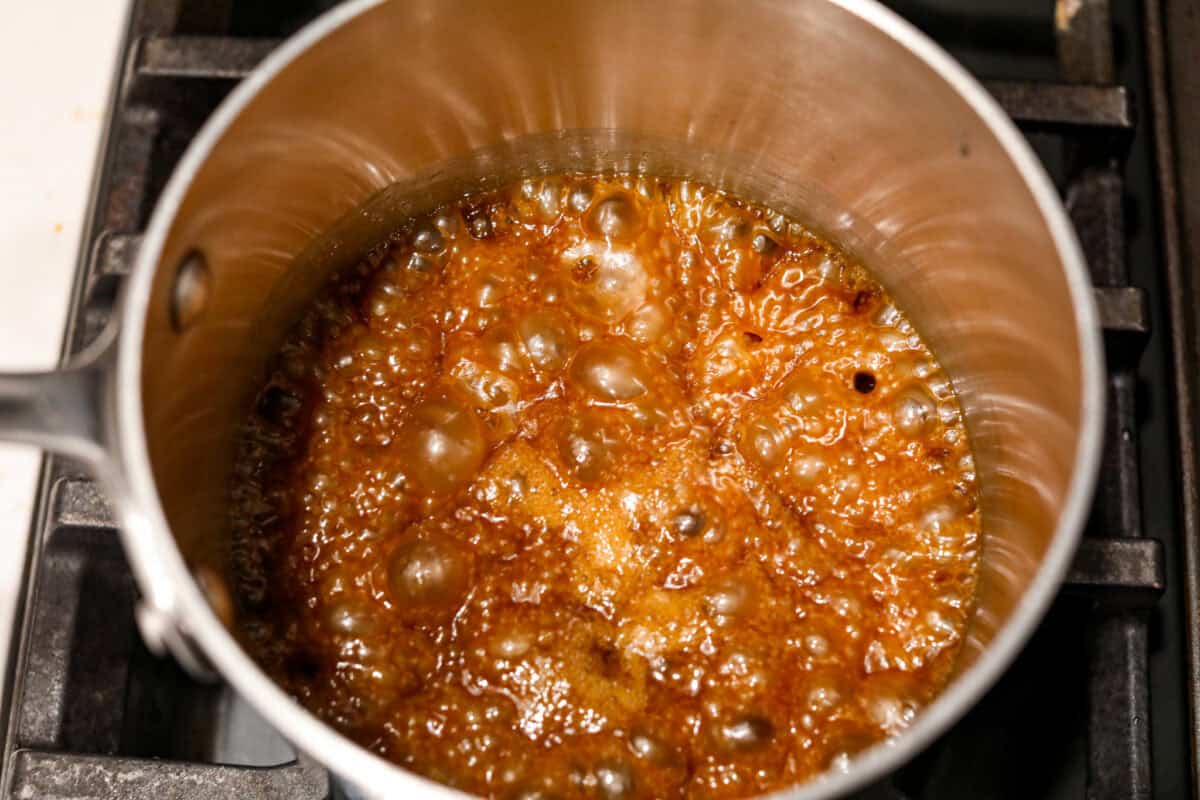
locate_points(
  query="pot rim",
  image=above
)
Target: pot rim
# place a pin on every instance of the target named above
(169, 587)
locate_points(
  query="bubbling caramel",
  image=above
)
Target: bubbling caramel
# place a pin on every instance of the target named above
(607, 487)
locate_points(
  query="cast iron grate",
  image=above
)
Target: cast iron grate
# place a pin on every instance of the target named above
(93, 715)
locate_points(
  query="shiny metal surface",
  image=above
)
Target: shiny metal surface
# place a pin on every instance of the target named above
(837, 112)
(60, 410)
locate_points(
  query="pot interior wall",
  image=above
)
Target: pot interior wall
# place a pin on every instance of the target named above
(803, 106)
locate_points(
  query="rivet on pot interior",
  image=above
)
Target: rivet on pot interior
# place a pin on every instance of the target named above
(189, 294)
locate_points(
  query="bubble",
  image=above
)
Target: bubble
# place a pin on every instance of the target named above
(864, 382)
(609, 286)
(502, 349)
(763, 441)
(801, 394)
(844, 606)
(890, 714)
(419, 262)
(615, 218)
(549, 199)
(428, 576)
(609, 371)
(442, 445)
(372, 673)
(937, 384)
(728, 597)
(730, 230)
(648, 324)
(479, 225)
(823, 699)
(728, 362)
(939, 526)
(763, 244)
(581, 198)
(488, 291)
(816, 644)
(447, 224)
(893, 342)
(746, 732)
(949, 414)
(914, 412)
(614, 780)
(488, 388)
(589, 447)
(649, 748)
(938, 622)
(548, 336)
(418, 344)
(350, 619)
(713, 534)
(886, 315)
(688, 522)
(808, 469)
(428, 240)
(538, 200)
(848, 486)
(510, 643)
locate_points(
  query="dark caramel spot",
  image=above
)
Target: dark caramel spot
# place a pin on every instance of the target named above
(302, 666)
(864, 300)
(864, 382)
(608, 659)
(277, 404)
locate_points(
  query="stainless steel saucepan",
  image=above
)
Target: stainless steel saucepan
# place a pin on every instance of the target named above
(835, 111)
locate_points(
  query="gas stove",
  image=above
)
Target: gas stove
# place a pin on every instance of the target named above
(1104, 702)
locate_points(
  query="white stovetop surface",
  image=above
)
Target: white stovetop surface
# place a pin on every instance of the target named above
(59, 60)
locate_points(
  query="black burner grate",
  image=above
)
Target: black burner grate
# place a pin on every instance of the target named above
(93, 715)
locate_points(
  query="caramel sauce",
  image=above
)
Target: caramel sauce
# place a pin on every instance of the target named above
(607, 487)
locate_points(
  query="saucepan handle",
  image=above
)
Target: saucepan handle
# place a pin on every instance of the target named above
(70, 411)
(62, 410)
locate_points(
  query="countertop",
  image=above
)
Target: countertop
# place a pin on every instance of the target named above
(59, 61)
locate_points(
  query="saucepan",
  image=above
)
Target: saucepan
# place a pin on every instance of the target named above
(834, 111)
